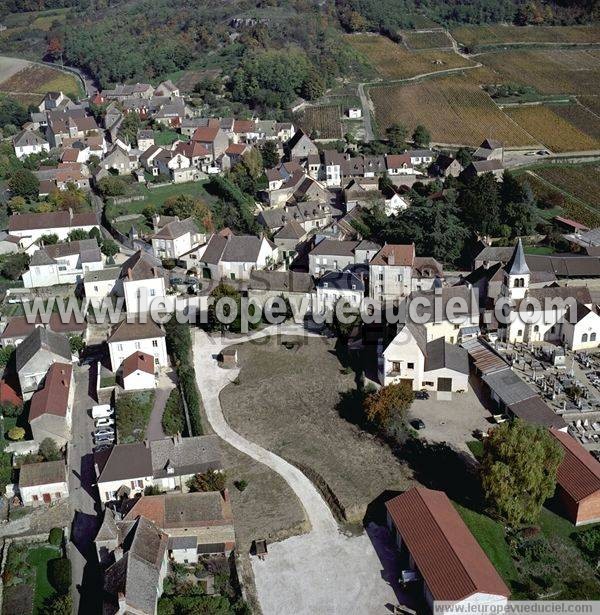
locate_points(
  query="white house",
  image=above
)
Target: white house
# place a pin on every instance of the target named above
(142, 280)
(175, 237)
(100, 283)
(128, 338)
(354, 113)
(29, 142)
(390, 272)
(336, 285)
(59, 223)
(167, 464)
(137, 371)
(420, 156)
(226, 255)
(43, 483)
(63, 263)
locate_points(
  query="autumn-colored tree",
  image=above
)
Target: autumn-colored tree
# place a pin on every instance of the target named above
(389, 402)
(54, 48)
(211, 480)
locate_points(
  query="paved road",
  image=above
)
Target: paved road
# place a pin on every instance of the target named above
(85, 506)
(323, 570)
(366, 111)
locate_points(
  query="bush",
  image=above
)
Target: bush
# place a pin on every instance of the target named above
(133, 413)
(168, 263)
(57, 605)
(55, 536)
(16, 433)
(59, 574)
(49, 450)
(173, 420)
(210, 480)
(241, 484)
(10, 410)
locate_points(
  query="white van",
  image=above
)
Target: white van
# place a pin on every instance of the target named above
(101, 411)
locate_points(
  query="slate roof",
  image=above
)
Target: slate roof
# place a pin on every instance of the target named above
(517, 265)
(340, 280)
(141, 266)
(108, 530)
(285, 281)
(177, 228)
(43, 473)
(102, 275)
(440, 354)
(42, 339)
(331, 247)
(129, 331)
(508, 386)
(185, 455)
(123, 462)
(535, 410)
(291, 230)
(452, 563)
(88, 250)
(579, 472)
(232, 248)
(56, 219)
(27, 138)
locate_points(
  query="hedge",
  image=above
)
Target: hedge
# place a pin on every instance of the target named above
(59, 574)
(179, 345)
(173, 419)
(55, 537)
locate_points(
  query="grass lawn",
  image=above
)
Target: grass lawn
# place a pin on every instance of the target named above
(490, 536)
(166, 137)
(541, 250)
(39, 557)
(476, 447)
(133, 413)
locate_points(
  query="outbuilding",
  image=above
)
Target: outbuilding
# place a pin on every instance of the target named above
(138, 372)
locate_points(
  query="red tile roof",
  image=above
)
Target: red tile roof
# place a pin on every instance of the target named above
(237, 149)
(138, 360)
(243, 126)
(395, 254)
(70, 155)
(19, 327)
(8, 395)
(53, 398)
(452, 563)
(572, 223)
(578, 473)
(205, 134)
(397, 161)
(192, 149)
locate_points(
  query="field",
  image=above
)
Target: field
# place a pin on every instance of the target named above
(591, 102)
(394, 61)
(495, 35)
(581, 118)
(300, 419)
(189, 78)
(426, 40)
(582, 181)
(556, 71)
(454, 109)
(10, 66)
(552, 129)
(322, 122)
(36, 79)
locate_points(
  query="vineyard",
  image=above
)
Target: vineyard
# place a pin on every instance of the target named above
(394, 61)
(549, 72)
(36, 79)
(590, 102)
(454, 109)
(322, 122)
(495, 35)
(580, 181)
(581, 118)
(426, 40)
(551, 129)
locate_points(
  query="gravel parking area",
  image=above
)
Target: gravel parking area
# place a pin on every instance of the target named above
(287, 401)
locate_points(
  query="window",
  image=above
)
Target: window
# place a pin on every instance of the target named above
(155, 343)
(137, 345)
(410, 365)
(536, 328)
(140, 483)
(395, 366)
(380, 276)
(120, 347)
(428, 383)
(584, 338)
(520, 332)
(592, 337)
(57, 495)
(152, 292)
(399, 277)
(35, 498)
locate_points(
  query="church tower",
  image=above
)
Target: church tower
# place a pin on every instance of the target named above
(516, 275)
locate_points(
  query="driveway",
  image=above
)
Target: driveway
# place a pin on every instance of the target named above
(86, 581)
(165, 386)
(323, 571)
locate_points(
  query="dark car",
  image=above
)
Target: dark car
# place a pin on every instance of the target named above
(421, 395)
(418, 424)
(102, 447)
(176, 281)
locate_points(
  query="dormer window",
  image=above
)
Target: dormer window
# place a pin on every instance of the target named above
(325, 284)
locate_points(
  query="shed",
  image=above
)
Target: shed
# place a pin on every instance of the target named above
(228, 357)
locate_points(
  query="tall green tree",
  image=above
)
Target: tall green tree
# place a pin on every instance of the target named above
(518, 470)
(396, 135)
(479, 204)
(270, 154)
(23, 182)
(421, 136)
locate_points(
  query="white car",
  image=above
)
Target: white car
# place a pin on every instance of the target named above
(106, 422)
(104, 431)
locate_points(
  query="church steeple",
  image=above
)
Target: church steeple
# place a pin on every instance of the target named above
(516, 274)
(517, 265)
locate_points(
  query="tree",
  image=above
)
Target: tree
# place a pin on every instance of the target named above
(221, 291)
(313, 86)
(77, 234)
(23, 182)
(6, 354)
(12, 112)
(57, 605)
(518, 470)
(270, 154)
(76, 343)
(186, 206)
(59, 574)
(49, 240)
(49, 450)
(109, 247)
(479, 204)
(111, 185)
(16, 205)
(7, 409)
(464, 156)
(518, 205)
(211, 480)
(343, 330)
(390, 401)
(396, 134)
(13, 265)
(421, 136)
(16, 433)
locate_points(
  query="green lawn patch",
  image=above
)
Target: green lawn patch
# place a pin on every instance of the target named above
(133, 413)
(166, 137)
(491, 538)
(38, 558)
(541, 250)
(476, 447)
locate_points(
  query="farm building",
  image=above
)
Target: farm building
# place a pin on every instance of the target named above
(578, 481)
(439, 547)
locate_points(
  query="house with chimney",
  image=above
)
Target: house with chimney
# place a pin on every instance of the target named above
(174, 237)
(43, 483)
(29, 142)
(141, 280)
(212, 138)
(127, 338)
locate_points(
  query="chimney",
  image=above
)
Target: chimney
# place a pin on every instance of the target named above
(391, 258)
(130, 273)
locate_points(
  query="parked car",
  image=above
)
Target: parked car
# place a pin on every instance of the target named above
(176, 281)
(107, 422)
(418, 424)
(102, 411)
(104, 440)
(421, 395)
(103, 445)
(104, 431)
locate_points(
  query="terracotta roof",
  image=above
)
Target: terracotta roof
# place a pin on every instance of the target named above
(70, 155)
(54, 396)
(191, 149)
(397, 161)
(18, 327)
(236, 149)
(128, 331)
(205, 134)
(447, 555)
(138, 360)
(243, 126)
(44, 473)
(8, 395)
(395, 254)
(578, 473)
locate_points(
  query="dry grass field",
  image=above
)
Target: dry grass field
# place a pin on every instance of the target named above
(495, 35)
(557, 71)
(11, 66)
(35, 79)
(426, 40)
(552, 129)
(298, 418)
(323, 122)
(454, 109)
(394, 61)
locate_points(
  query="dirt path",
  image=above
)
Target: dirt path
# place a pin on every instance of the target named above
(366, 105)
(323, 571)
